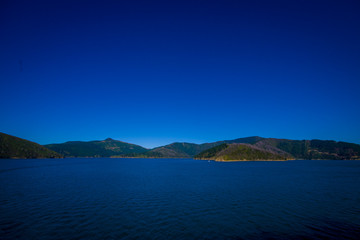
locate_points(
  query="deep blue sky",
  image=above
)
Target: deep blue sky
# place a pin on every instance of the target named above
(154, 72)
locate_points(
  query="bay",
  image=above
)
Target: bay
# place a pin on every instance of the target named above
(106, 198)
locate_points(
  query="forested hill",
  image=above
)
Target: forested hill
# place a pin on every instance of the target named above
(114, 148)
(14, 147)
(314, 149)
(249, 148)
(283, 149)
(240, 151)
(188, 150)
(105, 148)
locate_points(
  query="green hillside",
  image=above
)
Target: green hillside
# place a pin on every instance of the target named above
(249, 148)
(257, 148)
(239, 152)
(14, 147)
(249, 140)
(315, 149)
(105, 148)
(282, 149)
(179, 150)
(188, 150)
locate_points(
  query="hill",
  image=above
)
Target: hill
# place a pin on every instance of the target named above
(188, 150)
(282, 149)
(114, 148)
(240, 152)
(106, 148)
(249, 148)
(179, 150)
(14, 147)
(314, 149)
(287, 149)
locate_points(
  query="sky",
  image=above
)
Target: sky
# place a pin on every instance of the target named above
(156, 72)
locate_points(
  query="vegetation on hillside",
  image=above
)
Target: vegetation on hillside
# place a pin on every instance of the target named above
(212, 152)
(238, 151)
(105, 148)
(250, 148)
(14, 147)
(188, 150)
(282, 149)
(316, 149)
(258, 148)
(180, 150)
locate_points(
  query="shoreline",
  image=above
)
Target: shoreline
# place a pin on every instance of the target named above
(202, 159)
(244, 160)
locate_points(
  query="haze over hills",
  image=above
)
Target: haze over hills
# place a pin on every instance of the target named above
(248, 148)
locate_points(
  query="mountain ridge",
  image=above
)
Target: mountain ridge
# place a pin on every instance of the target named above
(240, 152)
(252, 147)
(97, 148)
(285, 148)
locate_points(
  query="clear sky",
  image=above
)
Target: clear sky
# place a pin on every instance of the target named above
(155, 72)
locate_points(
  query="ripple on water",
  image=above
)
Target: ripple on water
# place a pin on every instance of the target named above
(179, 199)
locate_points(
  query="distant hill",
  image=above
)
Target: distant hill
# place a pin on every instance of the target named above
(14, 147)
(114, 148)
(283, 149)
(179, 150)
(248, 148)
(106, 148)
(188, 150)
(249, 140)
(314, 149)
(287, 149)
(240, 151)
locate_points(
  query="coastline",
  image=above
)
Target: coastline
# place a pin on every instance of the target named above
(244, 160)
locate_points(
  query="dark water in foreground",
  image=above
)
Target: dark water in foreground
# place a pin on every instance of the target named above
(178, 199)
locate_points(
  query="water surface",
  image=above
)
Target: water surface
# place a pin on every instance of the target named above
(107, 198)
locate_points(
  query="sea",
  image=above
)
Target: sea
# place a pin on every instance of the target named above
(116, 198)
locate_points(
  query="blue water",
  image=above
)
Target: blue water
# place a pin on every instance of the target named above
(178, 199)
